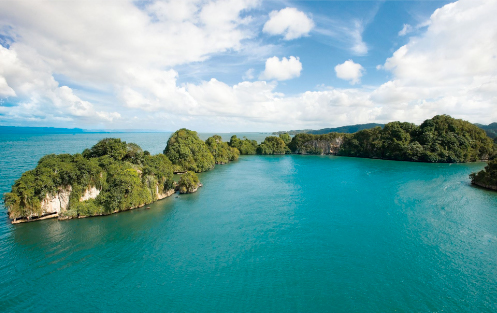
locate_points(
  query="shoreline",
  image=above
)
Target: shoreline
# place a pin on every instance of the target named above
(57, 215)
(488, 187)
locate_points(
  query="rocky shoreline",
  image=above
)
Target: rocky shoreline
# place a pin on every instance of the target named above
(489, 187)
(65, 217)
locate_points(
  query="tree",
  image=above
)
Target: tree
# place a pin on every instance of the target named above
(188, 182)
(487, 177)
(245, 146)
(188, 152)
(221, 151)
(272, 145)
(286, 138)
(112, 147)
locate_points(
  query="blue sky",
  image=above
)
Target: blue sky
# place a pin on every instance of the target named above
(245, 65)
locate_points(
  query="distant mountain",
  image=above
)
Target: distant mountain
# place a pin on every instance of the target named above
(54, 130)
(343, 129)
(490, 129)
(39, 130)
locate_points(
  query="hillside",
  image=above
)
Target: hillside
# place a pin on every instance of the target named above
(349, 129)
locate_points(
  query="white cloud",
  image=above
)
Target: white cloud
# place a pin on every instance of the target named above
(32, 81)
(345, 34)
(249, 74)
(282, 70)
(113, 47)
(350, 71)
(359, 47)
(289, 22)
(449, 68)
(405, 30)
(129, 55)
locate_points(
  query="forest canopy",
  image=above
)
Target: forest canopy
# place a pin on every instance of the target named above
(188, 152)
(125, 177)
(440, 139)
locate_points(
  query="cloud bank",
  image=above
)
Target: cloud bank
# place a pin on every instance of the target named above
(113, 65)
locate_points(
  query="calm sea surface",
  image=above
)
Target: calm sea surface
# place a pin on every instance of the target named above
(264, 234)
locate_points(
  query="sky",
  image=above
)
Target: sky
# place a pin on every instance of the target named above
(245, 65)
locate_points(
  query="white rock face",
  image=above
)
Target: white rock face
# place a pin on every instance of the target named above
(91, 193)
(55, 203)
(166, 193)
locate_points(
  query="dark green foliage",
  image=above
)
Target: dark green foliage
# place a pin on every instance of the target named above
(161, 168)
(487, 177)
(188, 182)
(124, 189)
(245, 146)
(304, 143)
(126, 178)
(221, 151)
(440, 139)
(286, 138)
(188, 152)
(85, 208)
(134, 153)
(272, 145)
(112, 147)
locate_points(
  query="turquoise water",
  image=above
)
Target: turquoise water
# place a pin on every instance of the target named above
(264, 234)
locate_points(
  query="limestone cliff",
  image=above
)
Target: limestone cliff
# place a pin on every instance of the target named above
(56, 202)
(164, 194)
(90, 193)
(321, 146)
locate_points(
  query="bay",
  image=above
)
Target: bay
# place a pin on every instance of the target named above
(266, 233)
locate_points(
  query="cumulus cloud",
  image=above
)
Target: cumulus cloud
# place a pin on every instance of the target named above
(41, 95)
(113, 47)
(449, 68)
(282, 70)
(350, 71)
(289, 22)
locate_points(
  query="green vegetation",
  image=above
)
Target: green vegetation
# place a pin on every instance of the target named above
(188, 182)
(272, 145)
(188, 152)
(486, 178)
(113, 147)
(125, 176)
(286, 138)
(440, 139)
(221, 151)
(245, 146)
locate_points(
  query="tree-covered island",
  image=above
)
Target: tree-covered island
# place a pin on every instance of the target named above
(115, 176)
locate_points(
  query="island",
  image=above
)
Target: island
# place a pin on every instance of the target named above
(115, 176)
